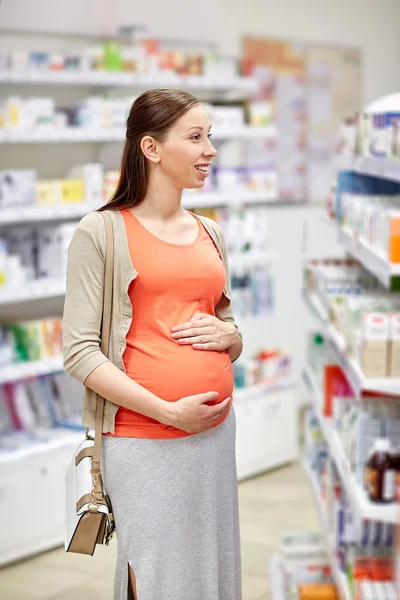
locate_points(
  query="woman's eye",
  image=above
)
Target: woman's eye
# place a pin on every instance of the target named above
(196, 136)
(209, 136)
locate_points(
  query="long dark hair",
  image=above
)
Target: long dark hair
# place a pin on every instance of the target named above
(153, 113)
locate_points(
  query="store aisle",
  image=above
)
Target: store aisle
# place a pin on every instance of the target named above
(269, 504)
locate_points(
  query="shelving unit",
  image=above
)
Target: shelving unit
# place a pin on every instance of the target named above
(387, 273)
(387, 513)
(32, 290)
(359, 383)
(24, 370)
(57, 439)
(131, 80)
(338, 577)
(95, 135)
(247, 393)
(385, 168)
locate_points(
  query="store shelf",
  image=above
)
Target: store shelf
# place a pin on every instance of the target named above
(62, 212)
(104, 79)
(359, 383)
(91, 135)
(338, 577)
(262, 388)
(276, 582)
(36, 214)
(32, 290)
(385, 168)
(252, 257)
(54, 439)
(387, 273)
(229, 198)
(366, 509)
(24, 370)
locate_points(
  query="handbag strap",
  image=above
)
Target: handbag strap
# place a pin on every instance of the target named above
(105, 341)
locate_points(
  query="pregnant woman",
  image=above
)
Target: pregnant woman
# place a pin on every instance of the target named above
(168, 460)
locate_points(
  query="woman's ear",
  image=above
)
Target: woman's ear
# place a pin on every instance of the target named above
(150, 149)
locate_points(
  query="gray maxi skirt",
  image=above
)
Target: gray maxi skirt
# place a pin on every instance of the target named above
(175, 503)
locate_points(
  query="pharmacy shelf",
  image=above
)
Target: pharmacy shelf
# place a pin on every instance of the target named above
(91, 135)
(277, 589)
(354, 374)
(103, 79)
(25, 370)
(338, 577)
(262, 388)
(366, 509)
(37, 214)
(53, 439)
(63, 212)
(32, 290)
(235, 197)
(387, 273)
(385, 168)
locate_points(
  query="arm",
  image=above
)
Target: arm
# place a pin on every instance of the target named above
(110, 382)
(235, 349)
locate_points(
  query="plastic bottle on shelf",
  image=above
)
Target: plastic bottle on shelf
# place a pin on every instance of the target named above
(382, 474)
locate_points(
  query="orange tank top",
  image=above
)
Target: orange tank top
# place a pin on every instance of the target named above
(174, 281)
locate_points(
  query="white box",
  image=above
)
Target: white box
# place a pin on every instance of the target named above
(17, 187)
(53, 244)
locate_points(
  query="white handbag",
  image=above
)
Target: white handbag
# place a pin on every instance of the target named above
(88, 514)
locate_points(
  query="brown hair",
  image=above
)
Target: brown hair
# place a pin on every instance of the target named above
(153, 113)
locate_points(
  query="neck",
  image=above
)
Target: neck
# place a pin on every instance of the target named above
(162, 200)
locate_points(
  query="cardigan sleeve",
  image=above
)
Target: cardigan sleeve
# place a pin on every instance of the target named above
(83, 305)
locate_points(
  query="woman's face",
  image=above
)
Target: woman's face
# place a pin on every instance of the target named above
(187, 152)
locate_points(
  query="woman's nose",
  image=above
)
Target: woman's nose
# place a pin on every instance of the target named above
(210, 151)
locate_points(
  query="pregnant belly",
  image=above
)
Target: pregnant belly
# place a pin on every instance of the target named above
(181, 372)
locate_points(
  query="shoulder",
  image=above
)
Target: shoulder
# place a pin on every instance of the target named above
(93, 223)
(90, 232)
(212, 226)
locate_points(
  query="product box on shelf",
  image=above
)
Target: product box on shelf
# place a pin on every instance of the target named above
(72, 191)
(33, 340)
(373, 344)
(304, 561)
(335, 384)
(48, 192)
(17, 187)
(53, 243)
(267, 366)
(93, 178)
(21, 241)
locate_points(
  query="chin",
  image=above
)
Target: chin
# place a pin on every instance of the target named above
(197, 185)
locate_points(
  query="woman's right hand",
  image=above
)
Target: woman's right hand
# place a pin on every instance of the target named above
(193, 415)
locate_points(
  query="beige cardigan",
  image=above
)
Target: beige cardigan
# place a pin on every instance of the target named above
(84, 303)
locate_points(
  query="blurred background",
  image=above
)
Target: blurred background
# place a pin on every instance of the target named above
(304, 101)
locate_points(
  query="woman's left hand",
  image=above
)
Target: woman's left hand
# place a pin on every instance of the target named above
(205, 332)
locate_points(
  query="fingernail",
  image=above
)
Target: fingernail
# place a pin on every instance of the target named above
(174, 329)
